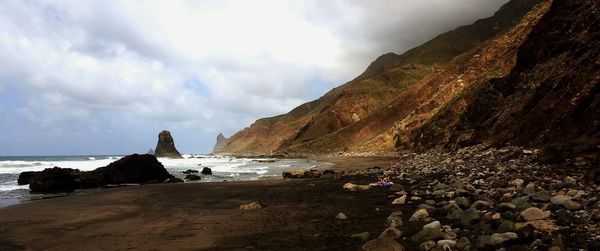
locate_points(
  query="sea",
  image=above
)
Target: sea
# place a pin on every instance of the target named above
(224, 168)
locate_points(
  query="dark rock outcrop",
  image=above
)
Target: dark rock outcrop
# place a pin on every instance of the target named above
(206, 171)
(190, 171)
(192, 177)
(54, 180)
(166, 146)
(221, 143)
(25, 177)
(130, 169)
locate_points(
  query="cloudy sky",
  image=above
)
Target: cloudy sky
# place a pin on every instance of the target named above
(104, 77)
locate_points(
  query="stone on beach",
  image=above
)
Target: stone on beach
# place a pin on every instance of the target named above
(355, 187)
(301, 174)
(341, 216)
(400, 201)
(382, 244)
(253, 205)
(534, 213)
(419, 214)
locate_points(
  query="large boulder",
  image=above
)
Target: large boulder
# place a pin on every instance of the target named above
(166, 146)
(134, 168)
(25, 177)
(54, 180)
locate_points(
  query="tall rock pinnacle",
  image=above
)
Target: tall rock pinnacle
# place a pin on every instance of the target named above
(221, 142)
(166, 146)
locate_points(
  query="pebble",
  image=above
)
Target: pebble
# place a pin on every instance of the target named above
(433, 225)
(503, 237)
(469, 216)
(341, 216)
(394, 219)
(427, 234)
(534, 213)
(428, 245)
(419, 214)
(391, 232)
(400, 201)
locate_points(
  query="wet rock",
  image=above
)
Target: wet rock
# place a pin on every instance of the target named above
(385, 244)
(534, 213)
(469, 216)
(427, 234)
(25, 177)
(341, 216)
(192, 177)
(55, 179)
(419, 214)
(497, 238)
(189, 171)
(364, 236)
(206, 171)
(507, 206)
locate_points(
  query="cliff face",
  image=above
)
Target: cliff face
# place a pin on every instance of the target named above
(221, 142)
(390, 76)
(532, 81)
(166, 146)
(550, 99)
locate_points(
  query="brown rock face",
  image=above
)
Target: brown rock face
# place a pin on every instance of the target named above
(166, 146)
(362, 115)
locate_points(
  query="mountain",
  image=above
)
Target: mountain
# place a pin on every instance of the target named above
(479, 83)
(221, 143)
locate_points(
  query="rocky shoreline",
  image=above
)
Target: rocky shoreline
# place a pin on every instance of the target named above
(478, 198)
(482, 198)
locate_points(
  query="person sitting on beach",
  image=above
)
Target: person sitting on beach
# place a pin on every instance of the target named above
(384, 181)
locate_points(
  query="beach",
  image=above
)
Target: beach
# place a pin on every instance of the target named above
(297, 215)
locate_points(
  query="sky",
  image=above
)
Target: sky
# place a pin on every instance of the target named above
(105, 77)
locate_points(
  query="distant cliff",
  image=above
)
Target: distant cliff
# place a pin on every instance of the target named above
(363, 114)
(220, 144)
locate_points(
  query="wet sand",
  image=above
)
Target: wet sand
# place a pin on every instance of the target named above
(299, 215)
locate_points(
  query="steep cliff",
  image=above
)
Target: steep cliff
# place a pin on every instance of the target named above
(221, 143)
(316, 126)
(550, 99)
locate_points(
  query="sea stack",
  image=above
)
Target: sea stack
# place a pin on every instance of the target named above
(221, 143)
(166, 146)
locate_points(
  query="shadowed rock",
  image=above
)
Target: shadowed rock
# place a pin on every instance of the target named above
(166, 146)
(130, 169)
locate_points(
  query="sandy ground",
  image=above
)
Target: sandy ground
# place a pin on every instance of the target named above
(299, 215)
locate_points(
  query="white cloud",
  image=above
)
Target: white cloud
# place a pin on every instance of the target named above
(197, 66)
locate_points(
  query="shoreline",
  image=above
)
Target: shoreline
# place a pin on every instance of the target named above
(198, 216)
